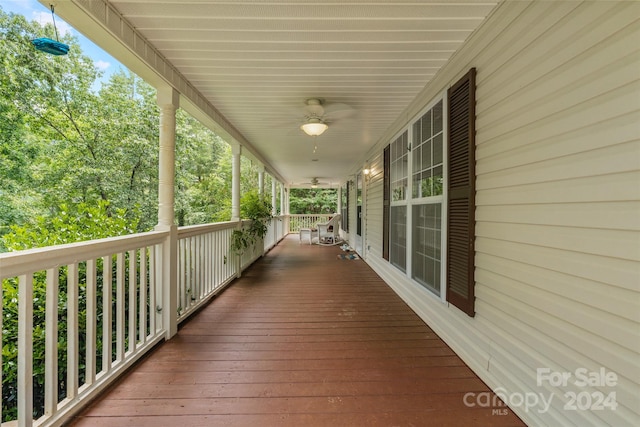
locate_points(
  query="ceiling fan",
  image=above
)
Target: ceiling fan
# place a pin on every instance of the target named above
(315, 182)
(318, 115)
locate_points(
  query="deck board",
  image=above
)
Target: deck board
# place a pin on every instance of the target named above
(303, 338)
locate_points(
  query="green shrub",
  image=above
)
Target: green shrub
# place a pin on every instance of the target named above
(257, 210)
(84, 222)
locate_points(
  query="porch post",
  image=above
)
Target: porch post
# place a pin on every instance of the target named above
(339, 204)
(287, 194)
(261, 181)
(274, 211)
(168, 101)
(282, 211)
(236, 150)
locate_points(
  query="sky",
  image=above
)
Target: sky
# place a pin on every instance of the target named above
(33, 10)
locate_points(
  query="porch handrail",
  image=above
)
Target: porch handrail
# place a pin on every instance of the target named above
(194, 230)
(13, 264)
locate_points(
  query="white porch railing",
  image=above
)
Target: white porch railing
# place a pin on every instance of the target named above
(103, 299)
(205, 265)
(275, 232)
(297, 222)
(91, 304)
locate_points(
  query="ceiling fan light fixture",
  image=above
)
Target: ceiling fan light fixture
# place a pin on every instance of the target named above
(314, 127)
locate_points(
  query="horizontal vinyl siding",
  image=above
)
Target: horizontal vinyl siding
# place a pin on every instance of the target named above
(556, 111)
(375, 188)
(558, 204)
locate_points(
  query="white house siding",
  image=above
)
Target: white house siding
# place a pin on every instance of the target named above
(558, 205)
(373, 213)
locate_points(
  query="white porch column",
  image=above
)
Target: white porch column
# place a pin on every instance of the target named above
(261, 181)
(236, 150)
(282, 211)
(285, 213)
(339, 204)
(168, 101)
(274, 211)
(287, 205)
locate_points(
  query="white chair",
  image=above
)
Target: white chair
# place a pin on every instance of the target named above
(329, 232)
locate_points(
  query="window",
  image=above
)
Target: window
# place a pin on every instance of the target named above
(386, 202)
(416, 222)
(398, 169)
(439, 213)
(427, 198)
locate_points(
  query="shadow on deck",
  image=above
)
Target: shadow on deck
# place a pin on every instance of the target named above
(302, 339)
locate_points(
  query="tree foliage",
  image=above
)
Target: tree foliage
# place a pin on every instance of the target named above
(313, 201)
(63, 142)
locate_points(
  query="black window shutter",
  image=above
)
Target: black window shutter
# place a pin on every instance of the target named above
(461, 193)
(386, 202)
(345, 211)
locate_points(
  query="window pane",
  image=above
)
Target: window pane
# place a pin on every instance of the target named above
(437, 118)
(437, 149)
(398, 237)
(417, 134)
(399, 168)
(416, 159)
(427, 185)
(426, 155)
(426, 241)
(437, 181)
(405, 166)
(426, 126)
(416, 188)
(396, 192)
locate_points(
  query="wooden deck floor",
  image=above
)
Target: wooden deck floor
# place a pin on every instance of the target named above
(303, 339)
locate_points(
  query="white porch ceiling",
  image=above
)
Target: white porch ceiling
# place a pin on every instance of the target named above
(258, 61)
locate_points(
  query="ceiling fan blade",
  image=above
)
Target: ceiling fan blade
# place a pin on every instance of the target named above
(277, 124)
(338, 111)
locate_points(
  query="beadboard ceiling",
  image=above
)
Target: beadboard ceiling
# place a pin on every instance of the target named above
(258, 61)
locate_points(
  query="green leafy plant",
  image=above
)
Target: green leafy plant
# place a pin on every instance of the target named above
(257, 210)
(71, 224)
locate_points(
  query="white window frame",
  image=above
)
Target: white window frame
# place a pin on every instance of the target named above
(403, 202)
(409, 201)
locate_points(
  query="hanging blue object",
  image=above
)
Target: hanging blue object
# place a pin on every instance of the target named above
(51, 46)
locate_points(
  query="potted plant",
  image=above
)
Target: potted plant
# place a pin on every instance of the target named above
(257, 211)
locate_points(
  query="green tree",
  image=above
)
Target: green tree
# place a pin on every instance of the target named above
(124, 162)
(313, 201)
(67, 141)
(17, 149)
(203, 173)
(63, 143)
